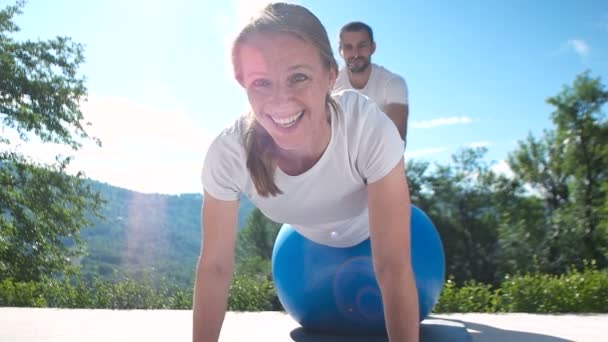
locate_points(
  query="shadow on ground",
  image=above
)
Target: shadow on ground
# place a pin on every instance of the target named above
(488, 333)
(431, 330)
(436, 330)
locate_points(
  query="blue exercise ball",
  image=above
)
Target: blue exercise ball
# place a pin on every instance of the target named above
(334, 290)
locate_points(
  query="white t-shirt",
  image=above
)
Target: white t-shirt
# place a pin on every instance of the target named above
(383, 86)
(328, 203)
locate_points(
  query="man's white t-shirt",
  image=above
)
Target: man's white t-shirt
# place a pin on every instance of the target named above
(383, 86)
(328, 203)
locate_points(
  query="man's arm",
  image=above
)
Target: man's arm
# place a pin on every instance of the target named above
(398, 112)
(397, 104)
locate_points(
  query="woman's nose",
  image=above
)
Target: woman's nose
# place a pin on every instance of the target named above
(280, 93)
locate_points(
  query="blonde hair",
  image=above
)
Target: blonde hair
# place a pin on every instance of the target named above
(277, 18)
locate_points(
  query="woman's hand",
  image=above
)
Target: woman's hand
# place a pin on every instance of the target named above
(389, 214)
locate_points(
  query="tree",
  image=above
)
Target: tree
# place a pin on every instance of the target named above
(42, 207)
(521, 227)
(540, 163)
(568, 167)
(579, 121)
(417, 179)
(462, 208)
(255, 243)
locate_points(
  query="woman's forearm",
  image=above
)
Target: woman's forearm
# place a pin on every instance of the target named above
(210, 302)
(400, 300)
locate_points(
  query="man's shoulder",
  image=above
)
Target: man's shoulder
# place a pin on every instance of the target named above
(385, 73)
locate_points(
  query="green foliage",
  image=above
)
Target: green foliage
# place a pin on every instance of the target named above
(471, 297)
(247, 294)
(576, 291)
(573, 291)
(254, 267)
(40, 86)
(580, 121)
(257, 238)
(21, 294)
(252, 286)
(42, 208)
(540, 163)
(461, 202)
(567, 169)
(254, 246)
(94, 294)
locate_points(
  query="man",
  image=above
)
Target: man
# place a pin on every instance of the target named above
(384, 87)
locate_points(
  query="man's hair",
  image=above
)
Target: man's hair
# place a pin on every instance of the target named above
(355, 26)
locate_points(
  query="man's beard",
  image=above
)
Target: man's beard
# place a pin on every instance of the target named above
(358, 68)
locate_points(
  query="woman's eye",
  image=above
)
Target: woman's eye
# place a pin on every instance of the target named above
(296, 78)
(260, 83)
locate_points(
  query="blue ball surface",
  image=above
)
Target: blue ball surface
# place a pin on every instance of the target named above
(334, 290)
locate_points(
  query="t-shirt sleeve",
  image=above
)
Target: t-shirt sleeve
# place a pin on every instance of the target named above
(396, 90)
(223, 167)
(380, 145)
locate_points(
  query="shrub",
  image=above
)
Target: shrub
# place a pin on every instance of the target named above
(576, 291)
(573, 292)
(21, 294)
(93, 294)
(247, 294)
(471, 297)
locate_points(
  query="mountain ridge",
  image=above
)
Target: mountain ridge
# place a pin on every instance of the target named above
(146, 236)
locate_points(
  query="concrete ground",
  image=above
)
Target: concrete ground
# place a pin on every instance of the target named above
(54, 325)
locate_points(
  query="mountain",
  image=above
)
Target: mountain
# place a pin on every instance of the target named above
(147, 236)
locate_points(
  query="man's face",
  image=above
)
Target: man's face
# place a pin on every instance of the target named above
(356, 48)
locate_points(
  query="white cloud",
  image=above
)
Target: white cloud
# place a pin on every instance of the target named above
(120, 122)
(143, 148)
(425, 152)
(454, 120)
(151, 177)
(579, 46)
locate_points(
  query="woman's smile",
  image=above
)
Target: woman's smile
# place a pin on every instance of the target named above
(286, 122)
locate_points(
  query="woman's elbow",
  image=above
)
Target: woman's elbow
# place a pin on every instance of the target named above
(216, 268)
(389, 271)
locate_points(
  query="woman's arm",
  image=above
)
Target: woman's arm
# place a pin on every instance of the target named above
(214, 269)
(389, 214)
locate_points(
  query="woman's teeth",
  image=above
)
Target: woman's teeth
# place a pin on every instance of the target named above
(286, 122)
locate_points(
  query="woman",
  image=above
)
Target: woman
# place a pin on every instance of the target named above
(296, 144)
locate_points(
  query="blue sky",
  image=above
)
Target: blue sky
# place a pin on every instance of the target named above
(160, 86)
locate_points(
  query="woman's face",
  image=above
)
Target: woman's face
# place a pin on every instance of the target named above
(287, 85)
